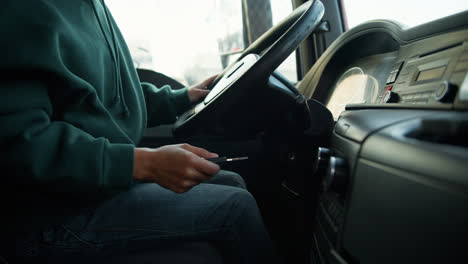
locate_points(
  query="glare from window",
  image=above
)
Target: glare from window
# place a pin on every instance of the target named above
(353, 87)
(186, 39)
(281, 9)
(410, 13)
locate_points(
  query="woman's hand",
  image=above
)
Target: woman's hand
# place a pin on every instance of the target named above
(198, 91)
(175, 167)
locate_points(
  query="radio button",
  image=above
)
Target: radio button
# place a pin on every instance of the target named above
(445, 92)
(390, 97)
(391, 77)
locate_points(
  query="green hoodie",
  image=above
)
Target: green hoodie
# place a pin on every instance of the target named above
(72, 108)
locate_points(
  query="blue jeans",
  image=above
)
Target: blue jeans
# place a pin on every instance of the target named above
(148, 216)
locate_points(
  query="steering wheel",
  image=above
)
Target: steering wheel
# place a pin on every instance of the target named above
(238, 91)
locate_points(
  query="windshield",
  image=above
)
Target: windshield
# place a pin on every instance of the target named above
(191, 40)
(410, 13)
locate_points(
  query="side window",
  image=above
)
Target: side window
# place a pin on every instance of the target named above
(191, 40)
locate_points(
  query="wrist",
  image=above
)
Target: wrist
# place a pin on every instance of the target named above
(140, 167)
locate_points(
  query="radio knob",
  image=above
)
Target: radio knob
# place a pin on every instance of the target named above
(445, 92)
(390, 97)
(337, 176)
(323, 158)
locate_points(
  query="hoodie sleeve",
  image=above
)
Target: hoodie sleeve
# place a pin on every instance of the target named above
(164, 104)
(54, 155)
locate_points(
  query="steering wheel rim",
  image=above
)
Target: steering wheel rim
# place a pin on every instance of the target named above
(275, 46)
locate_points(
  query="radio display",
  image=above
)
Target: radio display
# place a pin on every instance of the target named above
(431, 74)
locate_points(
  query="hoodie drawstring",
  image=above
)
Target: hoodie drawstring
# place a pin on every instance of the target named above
(125, 111)
(119, 96)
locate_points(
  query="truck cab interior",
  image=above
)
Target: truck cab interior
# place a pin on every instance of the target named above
(361, 154)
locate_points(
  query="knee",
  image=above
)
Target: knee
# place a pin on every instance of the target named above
(243, 201)
(244, 215)
(228, 178)
(237, 180)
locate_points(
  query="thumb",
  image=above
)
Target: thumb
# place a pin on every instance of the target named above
(201, 152)
(207, 82)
